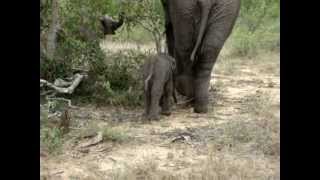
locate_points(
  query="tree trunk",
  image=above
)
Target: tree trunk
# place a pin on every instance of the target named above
(158, 44)
(54, 27)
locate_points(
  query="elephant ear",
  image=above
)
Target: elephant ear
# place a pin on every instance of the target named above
(116, 25)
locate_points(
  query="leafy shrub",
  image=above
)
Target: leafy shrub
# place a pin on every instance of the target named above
(51, 139)
(118, 81)
(257, 28)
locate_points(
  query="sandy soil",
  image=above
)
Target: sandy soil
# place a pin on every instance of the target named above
(182, 142)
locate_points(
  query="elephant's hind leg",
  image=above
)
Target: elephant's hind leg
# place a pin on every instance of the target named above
(165, 104)
(147, 100)
(156, 93)
(219, 28)
(209, 52)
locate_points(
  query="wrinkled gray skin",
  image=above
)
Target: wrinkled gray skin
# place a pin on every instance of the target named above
(196, 31)
(158, 85)
(109, 25)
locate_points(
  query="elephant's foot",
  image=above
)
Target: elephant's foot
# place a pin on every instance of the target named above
(153, 117)
(166, 107)
(144, 116)
(201, 102)
(166, 112)
(200, 108)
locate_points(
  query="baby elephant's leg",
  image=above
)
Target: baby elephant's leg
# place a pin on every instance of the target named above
(147, 100)
(168, 92)
(156, 93)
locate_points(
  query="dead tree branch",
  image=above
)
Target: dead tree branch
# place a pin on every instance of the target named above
(69, 90)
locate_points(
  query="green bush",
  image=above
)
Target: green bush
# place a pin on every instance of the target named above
(72, 49)
(51, 139)
(114, 78)
(257, 28)
(118, 80)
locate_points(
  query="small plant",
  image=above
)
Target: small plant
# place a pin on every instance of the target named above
(51, 139)
(115, 135)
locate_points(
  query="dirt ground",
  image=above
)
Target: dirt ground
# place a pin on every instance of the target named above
(237, 139)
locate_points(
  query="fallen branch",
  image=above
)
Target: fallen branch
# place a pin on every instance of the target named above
(46, 93)
(80, 69)
(96, 140)
(69, 90)
(62, 83)
(63, 99)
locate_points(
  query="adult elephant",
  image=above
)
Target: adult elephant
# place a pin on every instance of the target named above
(196, 31)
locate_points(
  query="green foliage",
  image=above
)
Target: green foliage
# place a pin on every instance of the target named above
(45, 13)
(73, 49)
(144, 20)
(115, 135)
(257, 28)
(51, 139)
(117, 80)
(76, 13)
(114, 78)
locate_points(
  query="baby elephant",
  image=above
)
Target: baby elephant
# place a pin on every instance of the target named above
(158, 75)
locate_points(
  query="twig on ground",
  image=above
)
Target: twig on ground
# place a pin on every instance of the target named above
(56, 173)
(185, 102)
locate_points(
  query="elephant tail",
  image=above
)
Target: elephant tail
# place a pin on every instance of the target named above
(146, 83)
(149, 75)
(203, 23)
(174, 95)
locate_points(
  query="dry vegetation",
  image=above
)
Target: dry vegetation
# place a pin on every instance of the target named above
(238, 139)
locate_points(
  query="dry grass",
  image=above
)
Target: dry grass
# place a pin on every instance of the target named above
(241, 141)
(242, 150)
(215, 167)
(115, 135)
